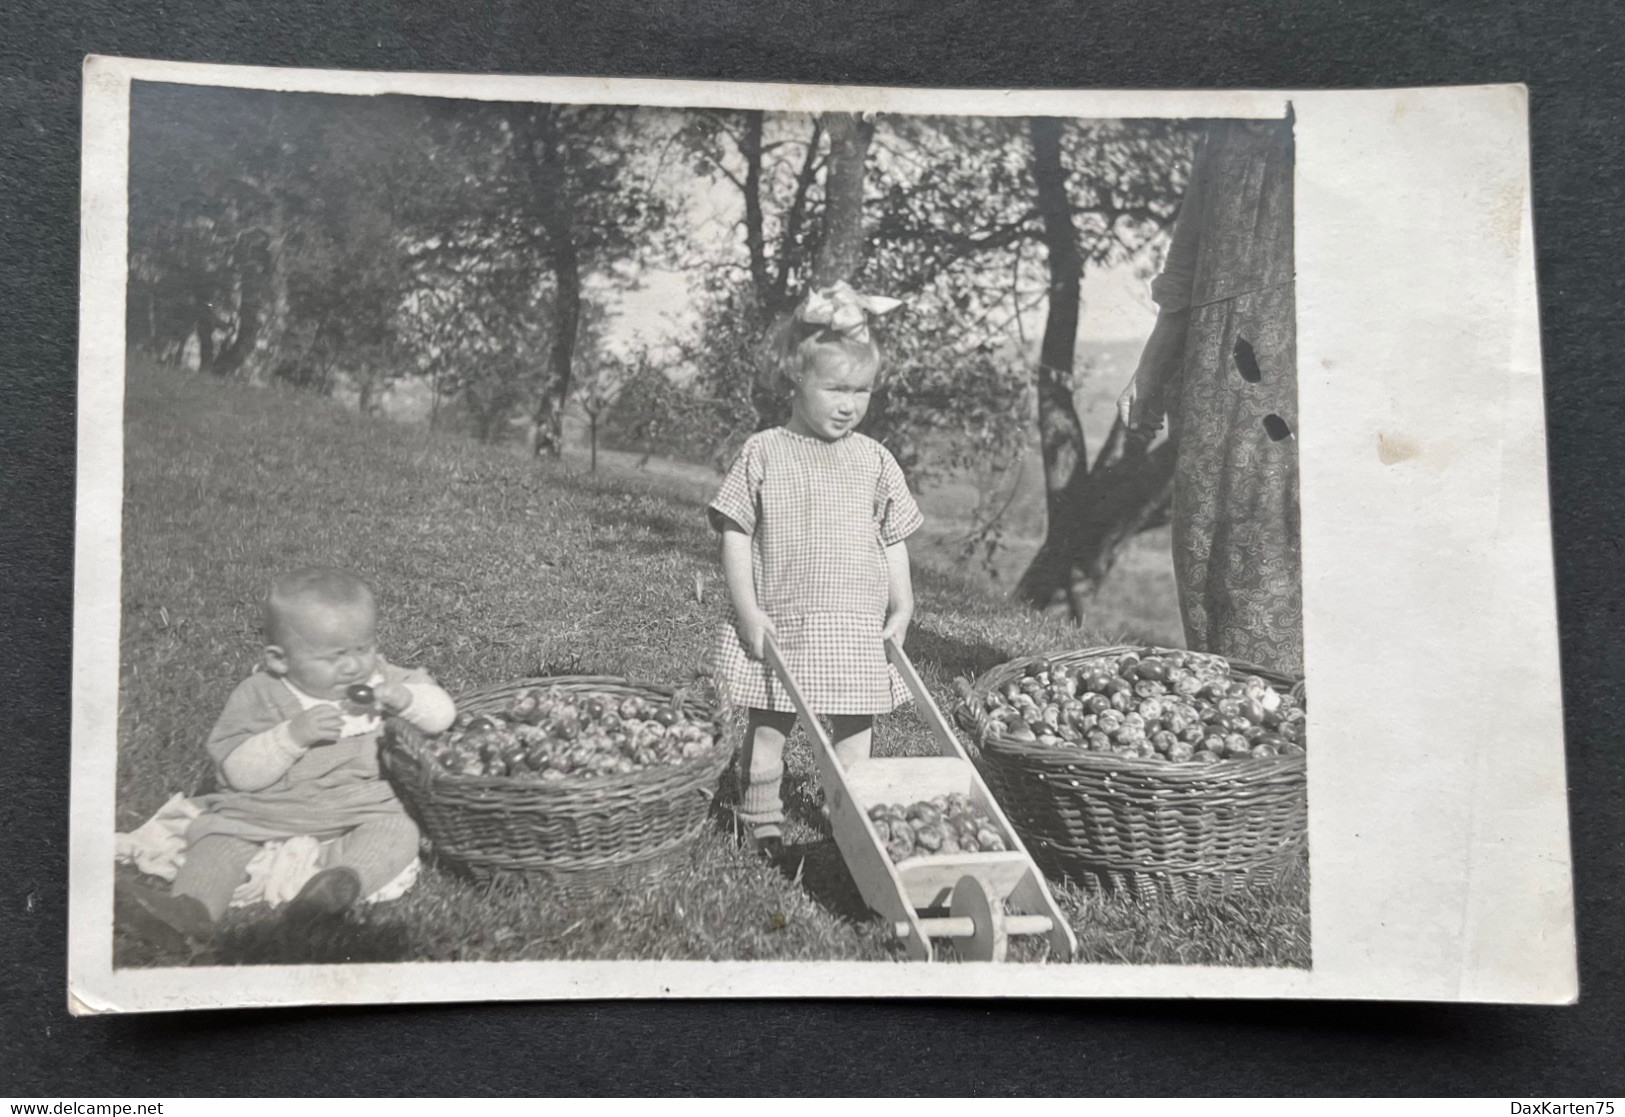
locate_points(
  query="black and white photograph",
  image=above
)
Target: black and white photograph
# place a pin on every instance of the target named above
(829, 545)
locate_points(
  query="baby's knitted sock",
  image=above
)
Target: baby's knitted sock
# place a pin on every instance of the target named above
(214, 866)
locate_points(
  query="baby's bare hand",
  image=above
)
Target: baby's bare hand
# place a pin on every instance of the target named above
(393, 697)
(317, 724)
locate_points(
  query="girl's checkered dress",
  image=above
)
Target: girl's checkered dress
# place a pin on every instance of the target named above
(820, 516)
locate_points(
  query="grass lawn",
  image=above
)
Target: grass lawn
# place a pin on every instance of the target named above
(491, 566)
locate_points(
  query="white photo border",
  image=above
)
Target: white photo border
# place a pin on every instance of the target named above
(1439, 847)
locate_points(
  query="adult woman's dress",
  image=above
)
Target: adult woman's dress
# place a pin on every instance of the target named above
(1222, 363)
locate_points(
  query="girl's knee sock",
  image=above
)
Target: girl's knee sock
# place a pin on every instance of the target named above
(760, 806)
(857, 742)
(762, 771)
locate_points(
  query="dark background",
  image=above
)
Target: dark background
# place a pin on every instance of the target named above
(1572, 56)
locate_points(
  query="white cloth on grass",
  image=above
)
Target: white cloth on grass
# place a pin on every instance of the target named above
(275, 875)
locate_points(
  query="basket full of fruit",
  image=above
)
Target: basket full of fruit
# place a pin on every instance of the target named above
(584, 781)
(1149, 770)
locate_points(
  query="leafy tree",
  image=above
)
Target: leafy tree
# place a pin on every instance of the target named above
(542, 196)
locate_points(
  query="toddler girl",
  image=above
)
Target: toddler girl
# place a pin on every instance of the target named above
(813, 518)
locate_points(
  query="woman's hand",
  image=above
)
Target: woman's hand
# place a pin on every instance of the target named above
(1131, 409)
(754, 627)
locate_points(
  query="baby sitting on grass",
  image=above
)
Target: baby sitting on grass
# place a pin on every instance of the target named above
(297, 747)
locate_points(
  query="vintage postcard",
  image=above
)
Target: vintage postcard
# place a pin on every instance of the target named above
(565, 538)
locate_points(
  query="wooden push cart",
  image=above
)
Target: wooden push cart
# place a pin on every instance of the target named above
(989, 896)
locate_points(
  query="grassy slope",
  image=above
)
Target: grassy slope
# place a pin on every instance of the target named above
(490, 566)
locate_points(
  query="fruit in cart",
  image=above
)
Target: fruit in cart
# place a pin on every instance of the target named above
(928, 838)
(945, 824)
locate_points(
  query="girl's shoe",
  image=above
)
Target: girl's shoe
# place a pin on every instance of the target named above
(768, 843)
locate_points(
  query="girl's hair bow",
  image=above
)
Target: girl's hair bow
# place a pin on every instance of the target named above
(845, 311)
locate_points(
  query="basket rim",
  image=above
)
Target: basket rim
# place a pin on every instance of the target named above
(973, 717)
(402, 743)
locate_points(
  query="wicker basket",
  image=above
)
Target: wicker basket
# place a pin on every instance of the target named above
(578, 835)
(1148, 827)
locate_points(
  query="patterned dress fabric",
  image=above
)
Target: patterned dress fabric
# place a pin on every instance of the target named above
(1232, 401)
(820, 516)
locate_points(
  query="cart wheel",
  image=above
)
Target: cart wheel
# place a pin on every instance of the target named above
(988, 942)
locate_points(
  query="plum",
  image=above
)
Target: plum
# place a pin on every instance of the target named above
(929, 837)
(1151, 670)
(923, 814)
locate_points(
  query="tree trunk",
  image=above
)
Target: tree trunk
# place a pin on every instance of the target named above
(842, 249)
(254, 283)
(203, 323)
(1060, 433)
(750, 146)
(545, 161)
(1091, 512)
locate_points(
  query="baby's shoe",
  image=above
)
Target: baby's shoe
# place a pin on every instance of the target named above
(329, 892)
(160, 916)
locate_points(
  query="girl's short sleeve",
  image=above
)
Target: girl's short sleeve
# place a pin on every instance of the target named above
(739, 498)
(895, 511)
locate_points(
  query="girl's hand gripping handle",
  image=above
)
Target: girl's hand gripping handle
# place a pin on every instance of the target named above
(755, 629)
